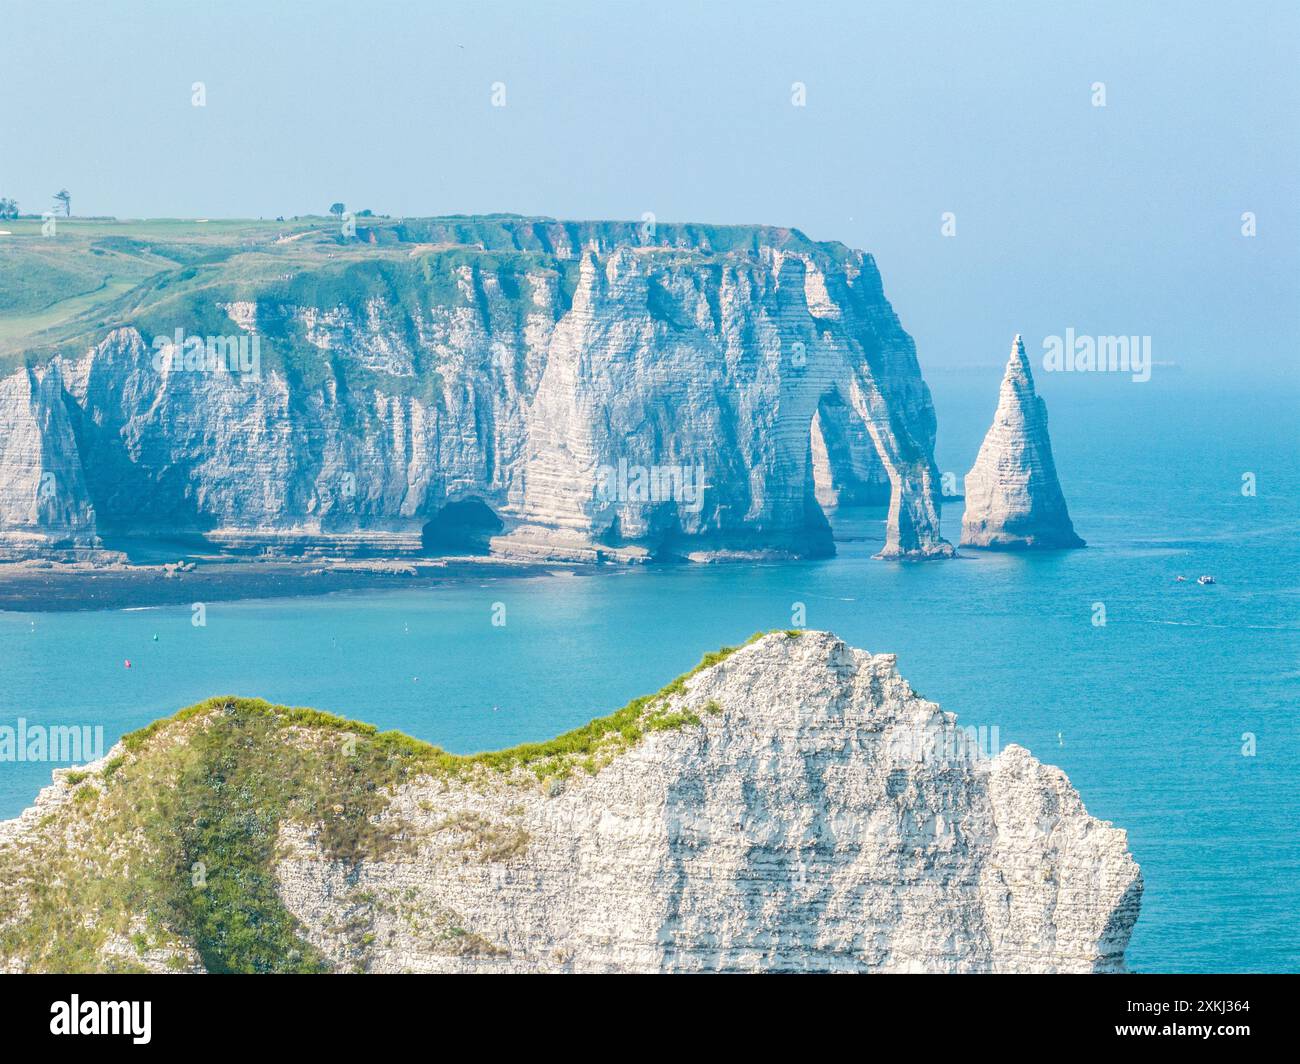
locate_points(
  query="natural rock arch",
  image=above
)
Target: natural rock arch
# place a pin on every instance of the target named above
(847, 469)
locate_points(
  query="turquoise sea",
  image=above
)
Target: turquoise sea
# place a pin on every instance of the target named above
(1146, 714)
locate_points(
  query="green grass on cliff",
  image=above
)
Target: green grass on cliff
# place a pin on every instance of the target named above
(175, 841)
(63, 292)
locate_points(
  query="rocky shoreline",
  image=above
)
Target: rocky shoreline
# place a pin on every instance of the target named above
(44, 586)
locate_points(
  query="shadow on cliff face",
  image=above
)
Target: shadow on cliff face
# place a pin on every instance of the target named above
(1119, 928)
(668, 543)
(463, 527)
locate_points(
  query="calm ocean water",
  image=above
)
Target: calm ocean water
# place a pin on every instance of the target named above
(1146, 714)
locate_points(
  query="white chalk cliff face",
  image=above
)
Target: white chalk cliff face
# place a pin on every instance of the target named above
(508, 363)
(799, 828)
(43, 496)
(1013, 496)
(801, 808)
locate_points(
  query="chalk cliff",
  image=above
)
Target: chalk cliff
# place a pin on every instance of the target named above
(1013, 497)
(44, 502)
(473, 381)
(789, 805)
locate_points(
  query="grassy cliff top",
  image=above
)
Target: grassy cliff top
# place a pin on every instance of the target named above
(62, 291)
(171, 843)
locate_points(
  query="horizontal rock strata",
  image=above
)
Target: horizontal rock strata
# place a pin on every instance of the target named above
(793, 805)
(580, 391)
(1013, 497)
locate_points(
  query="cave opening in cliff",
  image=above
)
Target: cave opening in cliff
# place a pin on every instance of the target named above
(462, 527)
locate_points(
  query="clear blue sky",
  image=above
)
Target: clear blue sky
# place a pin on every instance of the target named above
(1123, 219)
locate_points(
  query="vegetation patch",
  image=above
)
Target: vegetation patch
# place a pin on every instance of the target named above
(182, 831)
(185, 830)
(596, 742)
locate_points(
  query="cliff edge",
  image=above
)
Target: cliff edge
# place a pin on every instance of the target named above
(791, 804)
(574, 391)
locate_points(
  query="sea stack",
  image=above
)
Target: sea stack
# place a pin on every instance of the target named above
(1013, 496)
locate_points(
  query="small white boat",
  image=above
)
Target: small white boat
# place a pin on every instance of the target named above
(1202, 580)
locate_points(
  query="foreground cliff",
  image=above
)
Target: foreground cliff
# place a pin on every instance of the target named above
(1013, 497)
(789, 805)
(566, 390)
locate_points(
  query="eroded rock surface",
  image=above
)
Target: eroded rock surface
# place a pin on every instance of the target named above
(1013, 496)
(509, 363)
(44, 502)
(799, 828)
(794, 806)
